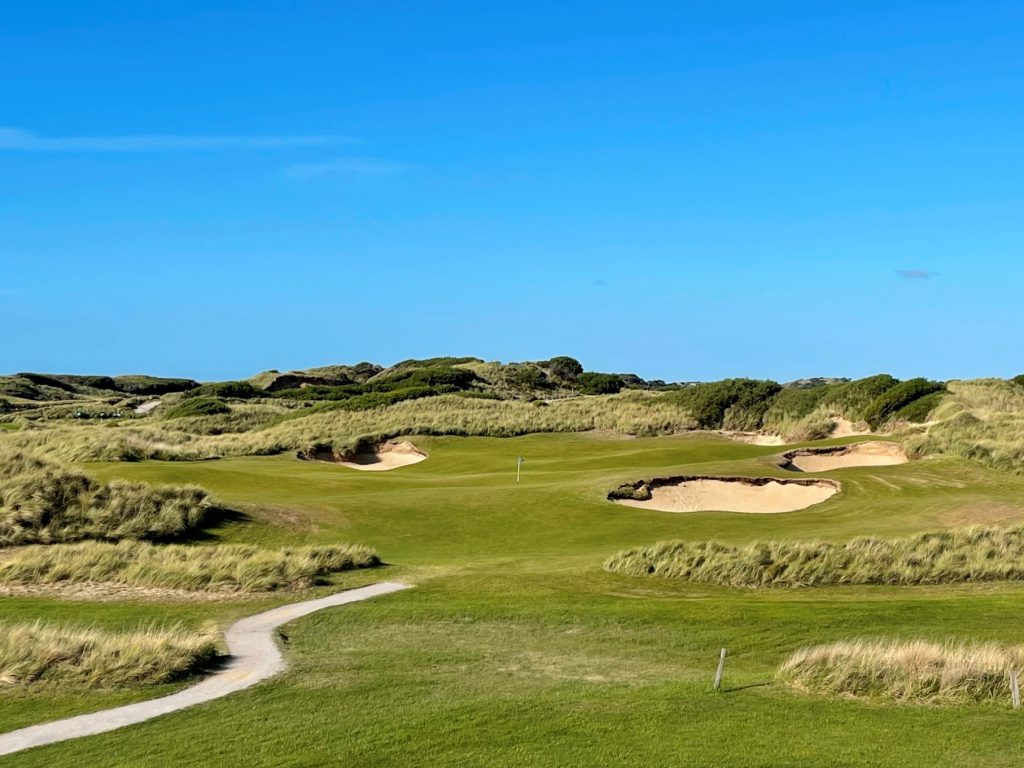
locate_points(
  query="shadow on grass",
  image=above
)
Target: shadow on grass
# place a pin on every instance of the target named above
(739, 688)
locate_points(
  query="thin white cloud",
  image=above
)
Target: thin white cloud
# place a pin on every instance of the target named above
(19, 140)
(345, 166)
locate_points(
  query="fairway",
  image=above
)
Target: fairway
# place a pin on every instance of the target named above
(517, 648)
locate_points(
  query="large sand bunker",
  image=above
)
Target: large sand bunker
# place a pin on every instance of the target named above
(872, 454)
(390, 454)
(758, 495)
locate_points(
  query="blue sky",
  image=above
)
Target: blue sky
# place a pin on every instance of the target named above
(683, 190)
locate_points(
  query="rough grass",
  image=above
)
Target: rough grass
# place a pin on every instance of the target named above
(39, 654)
(54, 506)
(228, 567)
(909, 671)
(969, 554)
(638, 413)
(982, 421)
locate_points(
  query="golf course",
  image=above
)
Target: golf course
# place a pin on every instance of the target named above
(539, 627)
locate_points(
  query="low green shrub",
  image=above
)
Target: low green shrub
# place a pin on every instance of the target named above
(241, 390)
(599, 383)
(886, 405)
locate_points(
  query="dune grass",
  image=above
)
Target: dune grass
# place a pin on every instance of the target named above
(228, 568)
(917, 671)
(640, 413)
(944, 557)
(40, 654)
(982, 420)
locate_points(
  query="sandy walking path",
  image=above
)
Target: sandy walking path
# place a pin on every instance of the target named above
(254, 657)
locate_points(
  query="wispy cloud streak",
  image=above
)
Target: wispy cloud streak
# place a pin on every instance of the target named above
(915, 274)
(19, 140)
(345, 166)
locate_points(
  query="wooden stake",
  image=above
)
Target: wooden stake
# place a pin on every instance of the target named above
(721, 668)
(1014, 690)
(519, 464)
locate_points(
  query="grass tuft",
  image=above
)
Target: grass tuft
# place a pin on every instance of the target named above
(41, 654)
(915, 671)
(227, 567)
(968, 554)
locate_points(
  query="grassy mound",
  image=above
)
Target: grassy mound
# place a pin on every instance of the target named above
(910, 671)
(40, 654)
(228, 567)
(969, 554)
(51, 506)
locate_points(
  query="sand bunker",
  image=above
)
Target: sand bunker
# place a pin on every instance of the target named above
(389, 455)
(873, 454)
(374, 458)
(758, 495)
(754, 438)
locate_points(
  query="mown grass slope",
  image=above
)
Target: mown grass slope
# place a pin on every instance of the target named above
(517, 648)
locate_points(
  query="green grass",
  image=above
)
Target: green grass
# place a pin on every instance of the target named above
(516, 648)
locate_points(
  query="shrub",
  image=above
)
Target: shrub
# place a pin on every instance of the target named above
(599, 383)
(41, 654)
(917, 671)
(730, 404)
(241, 390)
(563, 367)
(198, 406)
(900, 396)
(969, 554)
(152, 385)
(525, 378)
(918, 411)
(853, 398)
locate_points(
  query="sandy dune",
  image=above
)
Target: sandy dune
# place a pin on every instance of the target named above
(871, 454)
(147, 407)
(389, 455)
(846, 428)
(754, 495)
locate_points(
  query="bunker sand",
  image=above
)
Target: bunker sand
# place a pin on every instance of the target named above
(734, 494)
(872, 454)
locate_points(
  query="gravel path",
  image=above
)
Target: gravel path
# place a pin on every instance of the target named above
(254, 657)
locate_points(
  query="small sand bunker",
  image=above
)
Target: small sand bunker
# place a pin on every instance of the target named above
(391, 454)
(872, 454)
(757, 495)
(754, 438)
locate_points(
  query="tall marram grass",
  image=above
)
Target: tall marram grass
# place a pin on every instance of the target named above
(910, 671)
(968, 554)
(227, 567)
(980, 420)
(43, 503)
(639, 413)
(41, 654)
